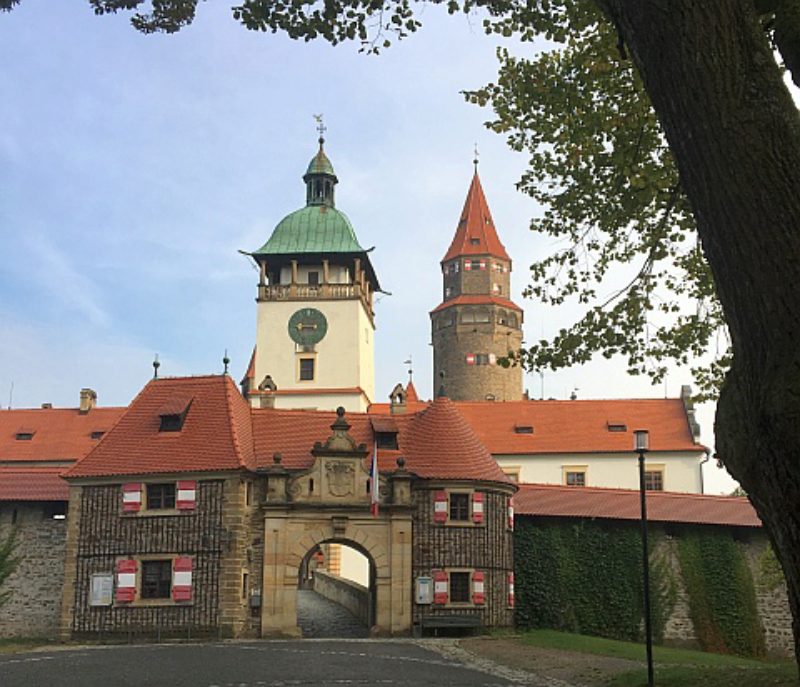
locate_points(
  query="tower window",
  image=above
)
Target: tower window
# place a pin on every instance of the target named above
(475, 241)
(306, 369)
(313, 278)
(496, 288)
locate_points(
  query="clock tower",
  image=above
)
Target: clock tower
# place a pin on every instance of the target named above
(315, 319)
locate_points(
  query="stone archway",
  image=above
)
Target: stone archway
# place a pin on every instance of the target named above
(330, 501)
(288, 538)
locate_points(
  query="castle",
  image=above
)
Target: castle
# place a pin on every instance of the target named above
(201, 508)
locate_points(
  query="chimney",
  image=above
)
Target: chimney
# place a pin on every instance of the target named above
(88, 400)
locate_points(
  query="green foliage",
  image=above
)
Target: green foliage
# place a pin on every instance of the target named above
(722, 601)
(8, 561)
(586, 578)
(770, 573)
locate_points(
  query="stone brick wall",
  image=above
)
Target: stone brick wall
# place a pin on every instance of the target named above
(106, 535)
(487, 547)
(465, 382)
(771, 599)
(34, 606)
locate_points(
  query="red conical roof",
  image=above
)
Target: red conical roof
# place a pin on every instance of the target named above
(411, 393)
(476, 234)
(440, 443)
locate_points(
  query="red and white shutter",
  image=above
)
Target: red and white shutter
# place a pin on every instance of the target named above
(478, 593)
(187, 495)
(182, 579)
(440, 587)
(510, 515)
(440, 506)
(492, 359)
(467, 265)
(495, 288)
(126, 580)
(505, 269)
(511, 589)
(482, 264)
(132, 497)
(470, 358)
(477, 507)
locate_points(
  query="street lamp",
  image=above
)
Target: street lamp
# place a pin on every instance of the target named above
(641, 444)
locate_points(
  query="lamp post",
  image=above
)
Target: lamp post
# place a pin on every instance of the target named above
(641, 444)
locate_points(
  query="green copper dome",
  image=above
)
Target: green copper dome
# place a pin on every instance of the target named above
(312, 229)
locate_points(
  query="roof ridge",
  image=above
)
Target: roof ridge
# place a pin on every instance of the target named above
(232, 421)
(77, 463)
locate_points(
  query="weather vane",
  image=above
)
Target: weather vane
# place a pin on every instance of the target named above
(475, 159)
(320, 127)
(410, 371)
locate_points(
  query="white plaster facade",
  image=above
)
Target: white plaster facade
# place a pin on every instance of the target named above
(344, 359)
(680, 470)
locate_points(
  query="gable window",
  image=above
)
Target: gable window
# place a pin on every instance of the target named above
(459, 587)
(160, 496)
(459, 507)
(306, 369)
(156, 579)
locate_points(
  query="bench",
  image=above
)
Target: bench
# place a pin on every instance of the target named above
(449, 621)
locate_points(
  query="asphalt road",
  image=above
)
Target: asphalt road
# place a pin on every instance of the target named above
(243, 664)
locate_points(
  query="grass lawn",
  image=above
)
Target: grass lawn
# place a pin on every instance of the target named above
(11, 645)
(673, 667)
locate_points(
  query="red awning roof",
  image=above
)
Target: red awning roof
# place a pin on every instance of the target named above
(623, 504)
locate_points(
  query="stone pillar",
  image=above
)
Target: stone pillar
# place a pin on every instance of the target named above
(326, 272)
(70, 562)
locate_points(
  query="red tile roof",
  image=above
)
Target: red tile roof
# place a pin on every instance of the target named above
(623, 504)
(32, 484)
(478, 300)
(579, 426)
(439, 443)
(60, 434)
(476, 223)
(215, 435)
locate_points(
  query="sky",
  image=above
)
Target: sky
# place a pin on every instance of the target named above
(134, 168)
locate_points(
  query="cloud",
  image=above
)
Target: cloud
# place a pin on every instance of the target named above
(66, 284)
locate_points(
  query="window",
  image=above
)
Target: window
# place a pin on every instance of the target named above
(97, 434)
(482, 316)
(245, 584)
(459, 587)
(24, 436)
(387, 440)
(248, 493)
(313, 278)
(459, 507)
(575, 475)
(306, 369)
(474, 241)
(512, 472)
(654, 480)
(448, 291)
(160, 496)
(497, 289)
(523, 429)
(156, 579)
(617, 427)
(481, 358)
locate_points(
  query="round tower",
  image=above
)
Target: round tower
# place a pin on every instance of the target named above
(477, 322)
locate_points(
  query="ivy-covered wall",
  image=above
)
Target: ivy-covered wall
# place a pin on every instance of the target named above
(706, 586)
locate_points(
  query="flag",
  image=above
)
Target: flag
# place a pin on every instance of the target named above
(374, 483)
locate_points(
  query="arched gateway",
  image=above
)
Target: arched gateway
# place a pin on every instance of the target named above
(330, 501)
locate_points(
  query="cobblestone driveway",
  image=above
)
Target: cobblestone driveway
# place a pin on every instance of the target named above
(320, 618)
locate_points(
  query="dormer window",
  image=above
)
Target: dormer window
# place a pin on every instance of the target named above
(386, 440)
(24, 435)
(475, 241)
(523, 429)
(97, 434)
(617, 427)
(173, 414)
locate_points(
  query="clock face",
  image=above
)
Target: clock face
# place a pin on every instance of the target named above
(307, 326)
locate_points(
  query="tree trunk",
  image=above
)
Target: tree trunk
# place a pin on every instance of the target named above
(735, 133)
